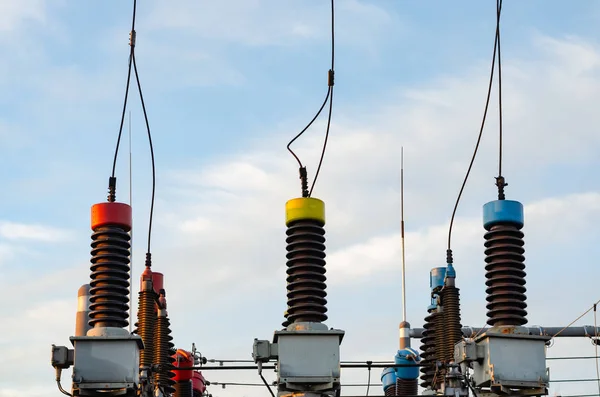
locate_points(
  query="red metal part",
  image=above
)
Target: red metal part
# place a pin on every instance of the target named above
(198, 382)
(108, 213)
(183, 359)
(158, 281)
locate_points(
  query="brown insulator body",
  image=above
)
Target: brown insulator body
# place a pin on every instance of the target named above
(440, 343)
(390, 391)
(405, 387)
(183, 389)
(452, 327)
(146, 326)
(109, 292)
(164, 355)
(504, 249)
(428, 349)
(306, 272)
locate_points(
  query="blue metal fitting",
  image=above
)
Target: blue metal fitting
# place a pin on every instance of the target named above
(450, 272)
(436, 277)
(498, 211)
(436, 280)
(388, 378)
(407, 356)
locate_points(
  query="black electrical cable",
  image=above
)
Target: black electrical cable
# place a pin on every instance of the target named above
(137, 78)
(498, 8)
(267, 384)
(369, 381)
(487, 103)
(131, 56)
(328, 97)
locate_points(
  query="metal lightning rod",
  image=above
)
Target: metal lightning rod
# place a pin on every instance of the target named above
(402, 233)
(130, 233)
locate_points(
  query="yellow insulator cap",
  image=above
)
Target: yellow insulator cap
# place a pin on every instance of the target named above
(304, 208)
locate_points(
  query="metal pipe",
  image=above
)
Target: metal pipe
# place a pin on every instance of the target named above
(568, 332)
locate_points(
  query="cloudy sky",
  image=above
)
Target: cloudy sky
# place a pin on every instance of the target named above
(227, 84)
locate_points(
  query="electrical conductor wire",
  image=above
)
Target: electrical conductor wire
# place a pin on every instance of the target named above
(328, 97)
(498, 8)
(131, 55)
(487, 103)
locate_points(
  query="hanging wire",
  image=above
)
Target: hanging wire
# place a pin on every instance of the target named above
(498, 5)
(328, 98)
(577, 319)
(112, 180)
(487, 103)
(137, 78)
(368, 381)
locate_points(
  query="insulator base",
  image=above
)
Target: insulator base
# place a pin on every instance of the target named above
(505, 275)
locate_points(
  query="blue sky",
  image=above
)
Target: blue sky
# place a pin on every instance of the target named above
(226, 85)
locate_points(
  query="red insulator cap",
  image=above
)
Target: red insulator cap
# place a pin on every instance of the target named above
(183, 359)
(158, 281)
(108, 213)
(147, 275)
(198, 382)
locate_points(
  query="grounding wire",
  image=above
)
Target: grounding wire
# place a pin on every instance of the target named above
(487, 103)
(328, 98)
(131, 55)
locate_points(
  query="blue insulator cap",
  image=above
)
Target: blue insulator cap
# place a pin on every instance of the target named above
(407, 356)
(503, 211)
(388, 378)
(450, 272)
(436, 277)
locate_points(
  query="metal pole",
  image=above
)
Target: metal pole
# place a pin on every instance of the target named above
(569, 332)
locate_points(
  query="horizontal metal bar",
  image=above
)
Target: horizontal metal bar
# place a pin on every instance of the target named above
(569, 332)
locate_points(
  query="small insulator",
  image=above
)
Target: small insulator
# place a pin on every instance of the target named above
(183, 389)
(505, 267)
(111, 250)
(406, 387)
(164, 351)
(452, 327)
(146, 325)
(428, 349)
(305, 218)
(428, 346)
(82, 319)
(388, 381)
(440, 348)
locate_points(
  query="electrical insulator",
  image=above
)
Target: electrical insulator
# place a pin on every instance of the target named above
(183, 377)
(428, 341)
(505, 267)
(305, 218)
(111, 251)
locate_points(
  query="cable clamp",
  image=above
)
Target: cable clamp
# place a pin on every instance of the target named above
(132, 37)
(330, 78)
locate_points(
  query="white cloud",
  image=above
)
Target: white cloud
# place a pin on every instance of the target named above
(15, 13)
(13, 231)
